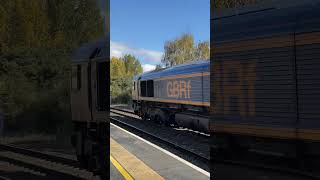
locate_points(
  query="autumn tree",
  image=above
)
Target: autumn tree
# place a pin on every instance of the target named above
(183, 49)
(117, 68)
(202, 51)
(126, 66)
(122, 71)
(118, 80)
(36, 40)
(132, 65)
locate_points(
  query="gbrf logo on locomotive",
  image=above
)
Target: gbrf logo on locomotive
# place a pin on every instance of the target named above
(179, 89)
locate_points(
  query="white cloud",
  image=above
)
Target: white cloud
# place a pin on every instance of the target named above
(145, 55)
(148, 67)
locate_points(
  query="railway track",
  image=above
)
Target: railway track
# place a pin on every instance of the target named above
(50, 166)
(123, 110)
(185, 151)
(133, 115)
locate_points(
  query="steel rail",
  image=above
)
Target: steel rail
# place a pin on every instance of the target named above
(37, 154)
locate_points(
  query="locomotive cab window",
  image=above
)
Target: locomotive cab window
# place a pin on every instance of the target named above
(143, 88)
(150, 88)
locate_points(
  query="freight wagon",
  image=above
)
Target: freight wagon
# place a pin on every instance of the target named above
(265, 79)
(176, 95)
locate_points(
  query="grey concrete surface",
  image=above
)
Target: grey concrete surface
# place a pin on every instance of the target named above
(165, 165)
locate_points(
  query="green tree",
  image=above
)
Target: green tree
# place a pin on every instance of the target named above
(132, 65)
(183, 49)
(202, 51)
(122, 71)
(36, 40)
(117, 68)
(178, 51)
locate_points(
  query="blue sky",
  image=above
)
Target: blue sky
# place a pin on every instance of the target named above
(141, 27)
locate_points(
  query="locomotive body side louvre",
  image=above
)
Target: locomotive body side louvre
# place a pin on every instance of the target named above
(264, 74)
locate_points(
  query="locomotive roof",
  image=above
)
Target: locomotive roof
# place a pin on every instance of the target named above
(263, 5)
(264, 20)
(193, 67)
(97, 49)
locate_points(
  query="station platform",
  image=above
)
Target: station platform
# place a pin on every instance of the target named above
(132, 157)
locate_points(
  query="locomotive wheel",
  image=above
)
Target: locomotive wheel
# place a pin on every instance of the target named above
(161, 118)
(144, 117)
(158, 119)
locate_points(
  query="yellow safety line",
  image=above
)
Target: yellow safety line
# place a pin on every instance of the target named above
(124, 173)
(133, 165)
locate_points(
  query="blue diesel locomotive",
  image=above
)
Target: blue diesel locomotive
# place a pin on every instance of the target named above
(176, 95)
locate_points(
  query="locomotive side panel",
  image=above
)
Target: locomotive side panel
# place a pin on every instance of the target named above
(255, 88)
(308, 73)
(265, 80)
(180, 90)
(79, 93)
(185, 84)
(206, 88)
(253, 80)
(99, 79)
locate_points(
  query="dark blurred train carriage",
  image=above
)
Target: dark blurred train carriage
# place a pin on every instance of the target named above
(266, 79)
(89, 103)
(176, 95)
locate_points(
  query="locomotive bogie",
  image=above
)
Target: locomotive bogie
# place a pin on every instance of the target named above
(193, 121)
